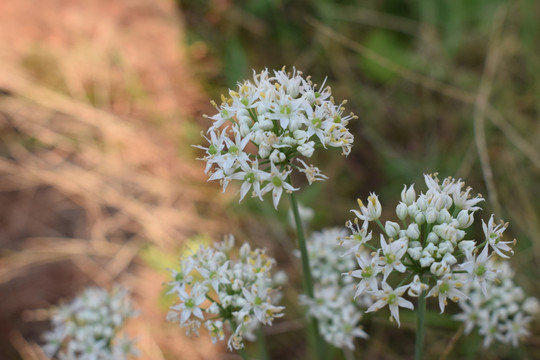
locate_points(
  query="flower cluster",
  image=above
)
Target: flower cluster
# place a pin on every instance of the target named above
(502, 312)
(239, 293)
(89, 328)
(334, 306)
(429, 251)
(260, 128)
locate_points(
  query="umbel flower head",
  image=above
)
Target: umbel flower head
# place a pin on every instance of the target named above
(225, 293)
(337, 312)
(90, 327)
(429, 250)
(502, 312)
(265, 124)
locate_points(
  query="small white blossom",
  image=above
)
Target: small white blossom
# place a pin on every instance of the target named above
(370, 212)
(334, 306)
(277, 183)
(447, 288)
(500, 311)
(432, 244)
(272, 120)
(238, 293)
(391, 297)
(494, 236)
(91, 327)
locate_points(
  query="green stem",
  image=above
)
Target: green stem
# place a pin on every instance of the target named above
(263, 349)
(419, 347)
(243, 353)
(381, 226)
(307, 278)
(317, 343)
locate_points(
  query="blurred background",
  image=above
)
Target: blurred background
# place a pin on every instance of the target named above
(100, 102)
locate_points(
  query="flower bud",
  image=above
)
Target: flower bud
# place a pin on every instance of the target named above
(430, 249)
(413, 232)
(401, 211)
(438, 202)
(243, 117)
(467, 246)
(460, 234)
(439, 268)
(280, 278)
(433, 238)
(416, 287)
(448, 201)
(444, 216)
(306, 149)
(449, 258)
(465, 219)
(264, 150)
(277, 156)
(431, 215)
(374, 208)
(392, 229)
(445, 247)
(412, 210)
(408, 195)
(245, 249)
(419, 218)
(300, 135)
(531, 306)
(415, 252)
(266, 124)
(426, 260)
(422, 203)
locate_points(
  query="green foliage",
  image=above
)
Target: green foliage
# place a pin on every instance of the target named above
(389, 45)
(417, 108)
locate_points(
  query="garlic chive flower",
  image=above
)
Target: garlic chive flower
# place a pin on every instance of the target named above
(90, 327)
(429, 250)
(266, 123)
(501, 311)
(224, 293)
(337, 312)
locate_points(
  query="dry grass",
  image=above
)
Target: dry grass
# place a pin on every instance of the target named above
(93, 165)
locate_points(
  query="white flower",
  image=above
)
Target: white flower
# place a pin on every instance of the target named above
(447, 288)
(391, 297)
(372, 211)
(283, 116)
(479, 269)
(516, 329)
(334, 304)
(278, 182)
(190, 303)
(369, 269)
(408, 196)
(500, 311)
(252, 177)
(462, 199)
(431, 245)
(494, 236)
(237, 292)
(391, 256)
(416, 287)
(312, 173)
(359, 237)
(90, 327)
(392, 229)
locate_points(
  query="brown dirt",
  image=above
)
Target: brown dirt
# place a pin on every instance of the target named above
(95, 100)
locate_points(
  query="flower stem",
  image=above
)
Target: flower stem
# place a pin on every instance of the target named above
(263, 349)
(317, 343)
(243, 353)
(307, 278)
(419, 347)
